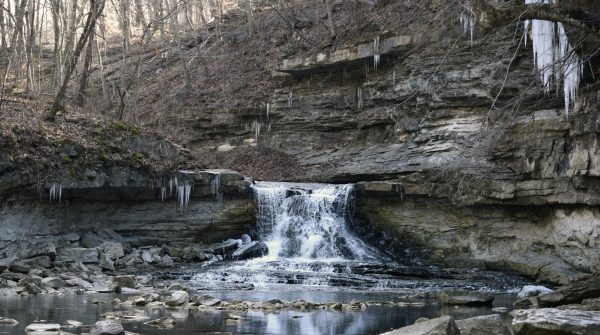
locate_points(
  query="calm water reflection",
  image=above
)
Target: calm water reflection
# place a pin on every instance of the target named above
(373, 320)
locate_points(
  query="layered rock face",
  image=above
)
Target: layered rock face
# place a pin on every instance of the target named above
(493, 171)
(130, 203)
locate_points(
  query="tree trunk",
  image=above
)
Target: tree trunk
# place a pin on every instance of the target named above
(330, 21)
(96, 8)
(87, 64)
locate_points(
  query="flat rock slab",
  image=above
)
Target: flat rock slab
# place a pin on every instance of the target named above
(85, 255)
(250, 250)
(444, 325)
(224, 248)
(108, 327)
(488, 324)
(571, 294)
(42, 327)
(8, 321)
(555, 321)
(466, 298)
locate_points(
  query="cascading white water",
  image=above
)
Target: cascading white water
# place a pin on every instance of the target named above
(308, 221)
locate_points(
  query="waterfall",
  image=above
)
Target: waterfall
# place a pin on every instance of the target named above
(308, 221)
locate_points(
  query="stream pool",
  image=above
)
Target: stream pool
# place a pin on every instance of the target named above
(372, 320)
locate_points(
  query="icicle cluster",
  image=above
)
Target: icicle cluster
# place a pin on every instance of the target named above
(55, 191)
(554, 56)
(183, 194)
(256, 127)
(376, 55)
(163, 188)
(467, 19)
(215, 187)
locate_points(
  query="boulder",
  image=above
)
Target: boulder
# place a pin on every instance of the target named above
(194, 253)
(78, 282)
(444, 325)
(53, 282)
(466, 298)
(178, 298)
(40, 249)
(42, 327)
(146, 256)
(224, 248)
(12, 276)
(135, 257)
(113, 250)
(37, 280)
(555, 321)
(8, 321)
(38, 262)
(571, 294)
(166, 261)
(4, 263)
(246, 239)
(110, 235)
(250, 250)
(85, 255)
(108, 327)
(139, 301)
(91, 239)
(103, 284)
(164, 322)
(125, 281)
(106, 263)
(19, 267)
(488, 324)
(32, 289)
(74, 323)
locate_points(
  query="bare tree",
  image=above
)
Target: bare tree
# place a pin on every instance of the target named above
(96, 8)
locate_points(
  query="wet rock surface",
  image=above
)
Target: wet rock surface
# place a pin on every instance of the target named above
(466, 298)
(444, 325)
(555, 321)
(570, 294)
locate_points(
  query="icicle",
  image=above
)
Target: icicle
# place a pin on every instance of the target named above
(554, 57)
(188, 191)
(215, 187)
(268, 109)
(376, 56)
(183, 195)
(290, 99)
(359, 103)
(256, 127)
(163, 193)
(467, 19)
(55, 192)
(171, 181)
(394, 77)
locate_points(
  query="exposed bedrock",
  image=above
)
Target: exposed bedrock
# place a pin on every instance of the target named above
(132, 207)
(557, 244)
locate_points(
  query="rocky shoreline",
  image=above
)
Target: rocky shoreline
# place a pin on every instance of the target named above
(104, 263)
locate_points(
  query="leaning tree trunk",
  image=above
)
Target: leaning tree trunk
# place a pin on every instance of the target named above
(87, 64)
